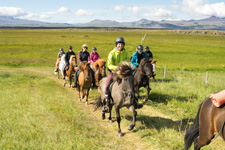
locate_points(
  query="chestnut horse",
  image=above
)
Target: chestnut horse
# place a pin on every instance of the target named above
(209, 121)
(141, 76)
(122, 94)
(71, 71)
(84, 79)
(99, 68)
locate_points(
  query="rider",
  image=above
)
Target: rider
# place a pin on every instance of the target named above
(94, 56)
(137, 56)
(61, 52)
(150, 57)
(67, 59)
(149, 53)
(116, 56)
(83, 56)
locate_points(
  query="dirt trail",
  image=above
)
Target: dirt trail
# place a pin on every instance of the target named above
(131, 140)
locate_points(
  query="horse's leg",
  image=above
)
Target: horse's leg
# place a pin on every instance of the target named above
(58, 74)
(131, 108)
(206, 134)
(118, 121)
(148, 90)
(137, 89)
(64, 84)
(70, 80)
(110, 114)
(87, 96)
(79, 93)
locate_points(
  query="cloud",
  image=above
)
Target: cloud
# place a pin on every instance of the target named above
(82, 12)
(12, 11)
(201, 8)
(134, 9)
(159, 14)
(119, 8)
(63, 10)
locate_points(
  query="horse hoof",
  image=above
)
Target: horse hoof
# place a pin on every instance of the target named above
(86, 103)
(130, 127)
(64, 85)
(79, 100)
(110, 121)
(120, 135)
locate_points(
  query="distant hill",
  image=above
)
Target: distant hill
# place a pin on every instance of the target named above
(6, 21)
(211, 23)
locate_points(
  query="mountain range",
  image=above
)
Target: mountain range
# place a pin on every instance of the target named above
(211, 23)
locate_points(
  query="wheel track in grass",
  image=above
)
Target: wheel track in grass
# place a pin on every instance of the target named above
(131, 140)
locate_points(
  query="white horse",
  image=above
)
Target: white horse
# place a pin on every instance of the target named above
(62, 63)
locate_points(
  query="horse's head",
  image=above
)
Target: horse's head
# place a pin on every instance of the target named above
(100, 65)
(73, 60)
(124, 76)
(85, 68)
(146, 67)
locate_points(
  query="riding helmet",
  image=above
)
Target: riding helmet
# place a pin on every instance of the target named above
(85, 45)
(146, 47)
(61, 49)
(120, 40)
(140, 47)
(94, 48)
(70, 47)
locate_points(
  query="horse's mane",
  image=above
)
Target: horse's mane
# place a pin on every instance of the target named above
(143, 61)
(99, 62)
(71, 57)
(122, 71)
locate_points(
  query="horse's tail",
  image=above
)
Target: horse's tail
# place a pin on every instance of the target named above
(193, 131)
(98, 104)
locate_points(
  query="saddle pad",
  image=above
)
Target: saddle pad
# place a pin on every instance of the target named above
(218, 98)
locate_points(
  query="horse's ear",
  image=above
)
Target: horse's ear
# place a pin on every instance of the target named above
(81, 68)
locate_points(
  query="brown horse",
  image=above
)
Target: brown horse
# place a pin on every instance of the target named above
(99, 68)
(141, 76)
(122, 94)
(84, 79)
(72, 68)
(209, 121)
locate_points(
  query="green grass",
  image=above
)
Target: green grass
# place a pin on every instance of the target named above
(37, 113)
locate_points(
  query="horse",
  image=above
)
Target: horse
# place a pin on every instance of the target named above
(84, 80)
(71, 71)
(122, 94)
(209, 121)
(99, 68)
(141, 76)
(62, 64)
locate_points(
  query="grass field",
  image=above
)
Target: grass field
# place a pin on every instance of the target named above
(37, 112)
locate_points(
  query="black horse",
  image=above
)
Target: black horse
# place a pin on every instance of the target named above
(141, 76)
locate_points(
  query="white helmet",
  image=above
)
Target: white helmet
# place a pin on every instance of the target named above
(85, 45)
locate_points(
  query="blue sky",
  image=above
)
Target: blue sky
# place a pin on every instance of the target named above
(78, 11)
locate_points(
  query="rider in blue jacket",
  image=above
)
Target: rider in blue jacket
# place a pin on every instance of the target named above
(137, 56)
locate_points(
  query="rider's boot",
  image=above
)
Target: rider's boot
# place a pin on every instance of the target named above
(56, 69)
(75, 82)
(106, 104)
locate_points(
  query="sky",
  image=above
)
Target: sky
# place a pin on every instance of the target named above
(83, 11)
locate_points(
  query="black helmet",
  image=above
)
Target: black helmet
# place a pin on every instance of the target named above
(146, 47)
(61, 49)
(70, 47)
(94, 48)
(140, 47)
(120, 40)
